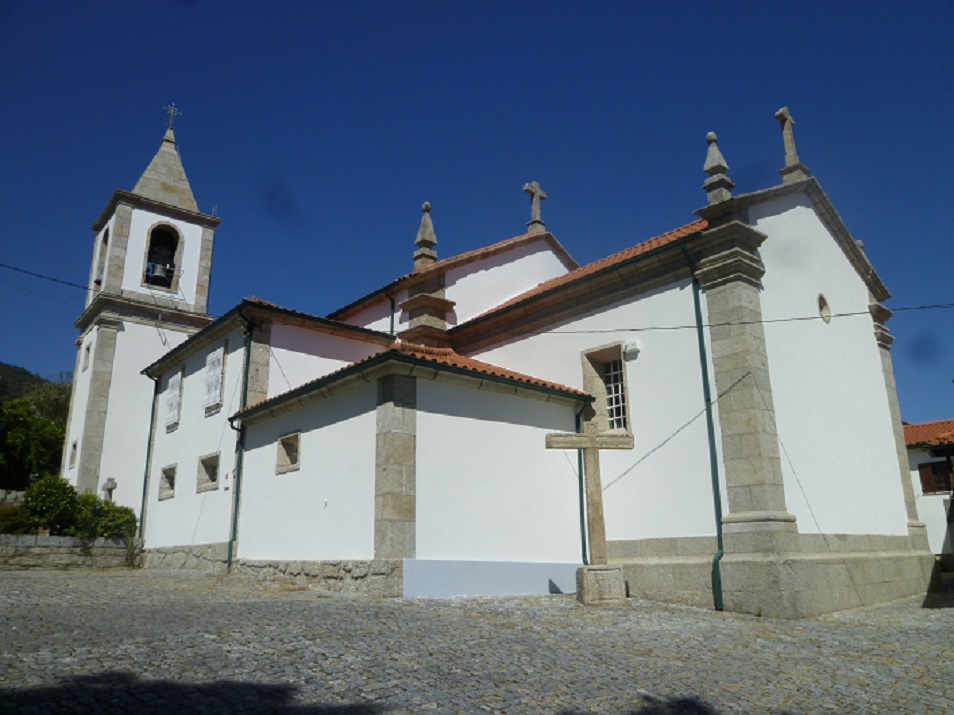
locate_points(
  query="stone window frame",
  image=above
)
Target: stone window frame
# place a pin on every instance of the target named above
(595, 362)
(933, 475)
(212, 408)
(204, 480)
(824, 309)
(87, 354)
(102, 255)
(173, 425)
(286, 460)
(167, 486)
(176, 261)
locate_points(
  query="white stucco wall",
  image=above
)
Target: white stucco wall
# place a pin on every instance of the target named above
(477, 286)
(325, 509)
(78, 400)
(299, 356)
(192, 517)
(126, 435)
(190, 234)
(839, 458)
(932, 508)
(487, 487)
(669, 493)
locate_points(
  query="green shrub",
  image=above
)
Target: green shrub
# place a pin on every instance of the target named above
(86, 516)
(15, 519)
(51, 504)
(116, 521)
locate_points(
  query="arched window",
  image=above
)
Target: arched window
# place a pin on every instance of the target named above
(160, 261)
(101, 260)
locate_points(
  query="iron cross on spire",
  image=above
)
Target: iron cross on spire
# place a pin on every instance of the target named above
(537, 194)
(173, 111)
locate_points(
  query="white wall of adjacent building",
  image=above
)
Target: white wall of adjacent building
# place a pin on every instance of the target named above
(932, 508)
(325, 509)
(831, 405)
(299, 355)
(661, 488)
(487, 487)
(191, 516)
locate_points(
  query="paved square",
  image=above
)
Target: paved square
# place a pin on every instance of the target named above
(148, 641)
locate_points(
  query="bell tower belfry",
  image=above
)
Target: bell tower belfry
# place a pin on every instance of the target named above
(148, 291)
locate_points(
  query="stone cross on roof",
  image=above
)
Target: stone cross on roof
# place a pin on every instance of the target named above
(173, 111)
(537, 195)
(794, 169)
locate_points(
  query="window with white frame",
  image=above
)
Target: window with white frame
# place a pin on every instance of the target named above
(214, 373)
(288, 453)
(936, 477)
(604, 377)
(173, 400)
(208, 476)
(167, 482)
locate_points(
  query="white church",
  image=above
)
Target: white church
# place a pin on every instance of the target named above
(486, 425)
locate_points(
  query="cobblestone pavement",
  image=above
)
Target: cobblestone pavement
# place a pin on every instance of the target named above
(146, 641)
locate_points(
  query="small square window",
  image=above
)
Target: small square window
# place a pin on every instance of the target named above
(167, 482)
(74, 450)
(208, 476)
(288, 453)
(936, 477)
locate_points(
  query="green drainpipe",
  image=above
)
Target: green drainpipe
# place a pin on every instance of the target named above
(145, 475)
(579, 471)
(240, 457)
(710, 429)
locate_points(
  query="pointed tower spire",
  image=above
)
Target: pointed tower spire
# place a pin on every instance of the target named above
(794, 169)
(718, 186)
(165, 179)
(426, 239)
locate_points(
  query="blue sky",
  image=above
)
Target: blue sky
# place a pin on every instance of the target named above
(317, 129)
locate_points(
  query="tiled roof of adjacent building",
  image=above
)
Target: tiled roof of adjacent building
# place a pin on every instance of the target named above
(439, 358)
(932, 434)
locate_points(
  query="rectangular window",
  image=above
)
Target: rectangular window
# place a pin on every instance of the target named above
(74, 450)
(86, 351)
(288, 453)
(208, 476)
(604, 377)
(173, 400)
(936, 477)
(214, 372)
(167, 482)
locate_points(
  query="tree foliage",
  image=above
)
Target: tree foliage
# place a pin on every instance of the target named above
(51, 503)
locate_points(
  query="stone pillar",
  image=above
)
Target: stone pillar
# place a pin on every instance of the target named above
(204, 276)
(917, 530)
(395, 500)
(97, 402)
(119, 240)
(757, 518)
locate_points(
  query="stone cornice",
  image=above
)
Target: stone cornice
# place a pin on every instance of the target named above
(114, 307)
(880, 315)
(735, 209)
(124, 197)
(729, 252)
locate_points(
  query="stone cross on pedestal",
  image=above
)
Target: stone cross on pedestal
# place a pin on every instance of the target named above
(591, 444)
(173, 111)
(598, 583)
(537, 195)
(794, 169)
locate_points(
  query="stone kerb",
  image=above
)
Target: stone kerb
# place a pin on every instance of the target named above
(26, 551)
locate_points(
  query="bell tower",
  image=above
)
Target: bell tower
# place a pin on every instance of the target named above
(148, 291)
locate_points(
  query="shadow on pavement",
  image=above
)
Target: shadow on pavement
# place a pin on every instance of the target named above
(125, 693)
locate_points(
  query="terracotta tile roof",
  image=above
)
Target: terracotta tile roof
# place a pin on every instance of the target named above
(938, 433)
(600, 265)
(438, 356)
(446, 263)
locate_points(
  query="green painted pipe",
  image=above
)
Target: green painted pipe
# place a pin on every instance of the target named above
(240, 456)
(145, 476)
(710, 430)
(579, 470)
